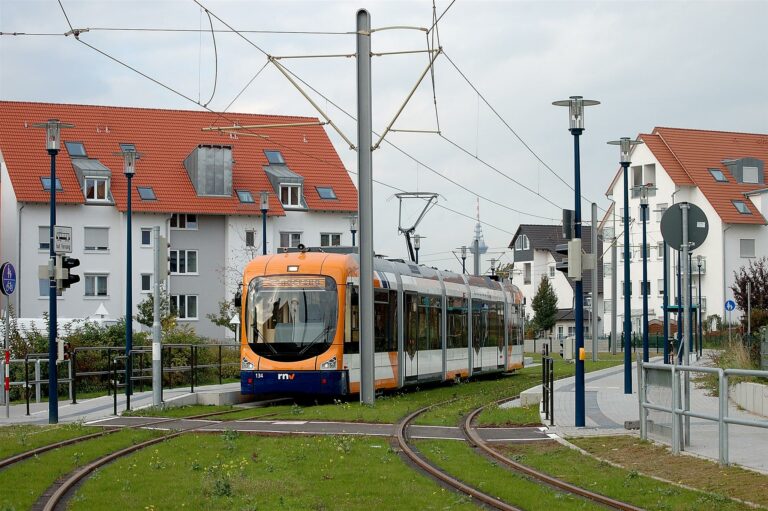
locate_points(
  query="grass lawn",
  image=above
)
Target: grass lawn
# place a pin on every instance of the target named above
(649, 458)
(232, 471)
(25, 437)
(510, 417)
(462, 462)
(177, 411)
(22, 484)
(626, 485)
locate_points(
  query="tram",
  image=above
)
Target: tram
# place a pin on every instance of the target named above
(300, 332)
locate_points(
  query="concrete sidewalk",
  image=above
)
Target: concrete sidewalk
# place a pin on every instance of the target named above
(607, 408)
(100, 407)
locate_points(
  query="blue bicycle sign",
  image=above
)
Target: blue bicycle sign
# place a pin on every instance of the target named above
(730, 305)
(8, 273)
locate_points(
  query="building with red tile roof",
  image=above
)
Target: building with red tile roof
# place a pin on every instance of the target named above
(723, 173)
(202, 186)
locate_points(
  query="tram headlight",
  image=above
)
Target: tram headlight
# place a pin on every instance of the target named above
(246, 365)
(330, 364)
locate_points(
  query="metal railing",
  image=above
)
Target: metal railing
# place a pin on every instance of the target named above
(681, 434)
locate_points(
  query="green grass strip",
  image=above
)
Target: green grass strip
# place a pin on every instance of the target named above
(22, 484)
(25, 437)
(231, 471)
(176, 411)
(462, 462)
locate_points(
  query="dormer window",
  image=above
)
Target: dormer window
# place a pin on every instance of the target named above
(76, 149)
(290, 195)
(274, 157)
(97, 189)
(750, 175)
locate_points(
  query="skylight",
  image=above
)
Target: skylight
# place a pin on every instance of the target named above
(275, 157)
(47, 184)
(326, 192)
(245, 196)
(718, 175)
(76, 149)
(127, 147)
(742, 207)
(146, 193)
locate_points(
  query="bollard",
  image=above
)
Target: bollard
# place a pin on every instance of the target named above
(69, 372)
(551, 391)
(544, 387)
(73, 374)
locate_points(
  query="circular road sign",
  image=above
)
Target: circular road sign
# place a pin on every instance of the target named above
(8, 273)
(730, 305)
(672, 226)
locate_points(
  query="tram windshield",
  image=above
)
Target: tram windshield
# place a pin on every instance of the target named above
(291, 317)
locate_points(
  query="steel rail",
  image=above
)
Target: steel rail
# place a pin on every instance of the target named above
(474, 439)
(402, 439)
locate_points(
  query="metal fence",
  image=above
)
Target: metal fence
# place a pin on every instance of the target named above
(667, 380)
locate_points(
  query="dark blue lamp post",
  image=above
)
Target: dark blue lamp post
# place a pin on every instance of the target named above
(52, 145)
(353, 227)
(625, 146)
(576, 106)
(701, 338)
(129, 169)
(264, 204)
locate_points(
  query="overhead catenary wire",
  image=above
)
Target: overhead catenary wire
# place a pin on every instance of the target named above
(216, 60)
(256, 75)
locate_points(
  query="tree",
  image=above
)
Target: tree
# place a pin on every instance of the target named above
(544, 305)
(505, 270)
(227, 309)
(756, 274)
(146, 315)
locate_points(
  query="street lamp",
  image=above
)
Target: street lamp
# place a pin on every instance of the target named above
(576, 106)
(129, 169)
(464, 259)
(625, 148)
(264, 204)
(52, 145)
(493, 267)
(644, 189)
(353, 227)
(417, 245)
(701, 339)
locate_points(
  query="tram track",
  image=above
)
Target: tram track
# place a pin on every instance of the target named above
(474, 439)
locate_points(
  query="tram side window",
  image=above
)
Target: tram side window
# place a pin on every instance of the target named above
(351, 327)
(479, 323)
(385, 320)
(392, 321)
(435, 323)
(457, 322)
(423, 340)
(496, 324)
(411, 322)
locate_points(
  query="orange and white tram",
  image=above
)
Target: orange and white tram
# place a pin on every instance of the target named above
(299, 324)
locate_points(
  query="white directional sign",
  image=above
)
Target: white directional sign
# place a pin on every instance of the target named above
(62, 239)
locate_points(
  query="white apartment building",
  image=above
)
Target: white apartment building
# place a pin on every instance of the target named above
(202, 188)
(722, 173)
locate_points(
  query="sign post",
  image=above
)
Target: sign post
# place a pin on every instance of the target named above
(729, 306)
(8, 275)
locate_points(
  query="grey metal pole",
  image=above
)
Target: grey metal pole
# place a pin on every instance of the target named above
(749, 308)
(686, 276)
(157, 364)
(476, 254)
(614, 287)
(594, 282)
(365, 186)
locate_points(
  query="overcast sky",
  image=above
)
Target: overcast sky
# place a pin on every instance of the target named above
(701, 65)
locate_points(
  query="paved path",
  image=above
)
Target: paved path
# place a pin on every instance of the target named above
(299, 427)
(607, 408)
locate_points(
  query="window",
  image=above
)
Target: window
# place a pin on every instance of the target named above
(522, 243)
(46, 181)
(126, 147)
(95, 285)
(660, 250)
(185, 306)
(76, 149)
(551, 272)
(750, 175)
(718, 175)
(637, 179)
(44, 237)
(571, 331)
(184, 221)
(660, 285)
(250, 238)
(289, 195)
(607, 306)
(527, 274)
(326, 192)
(97, 189)
(245, 196)
(275, 157)
(660, 209)
(146, 237)
(747, 247)
(146, 282)
(647, 287)
(741, 207)
(44, 287)
(330, 240)
(96, 238)
(623, 294)
(703, 305)
(146, 193)
(607, 270)
(183, 261)
(290, 239)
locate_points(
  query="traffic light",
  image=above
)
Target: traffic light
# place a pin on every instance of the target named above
(571, 265)
(67, 277)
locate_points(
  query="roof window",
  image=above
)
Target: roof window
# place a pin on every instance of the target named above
(47, 184)
(126, 147)
(245, 196)
(741, 207)
(76, 149)
(146, 192)
(326, 192)
(718, 175)
(275, 157)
